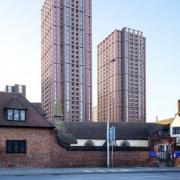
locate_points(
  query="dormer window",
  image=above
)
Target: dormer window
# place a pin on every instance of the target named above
(15, 114)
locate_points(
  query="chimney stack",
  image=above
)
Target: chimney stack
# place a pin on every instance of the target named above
(179, 106)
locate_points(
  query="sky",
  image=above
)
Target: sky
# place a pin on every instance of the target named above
(20, 50)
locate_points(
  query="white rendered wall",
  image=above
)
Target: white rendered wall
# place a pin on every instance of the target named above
(175, 123)
(133, 143)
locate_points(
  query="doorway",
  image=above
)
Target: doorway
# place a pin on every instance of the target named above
(164, 154)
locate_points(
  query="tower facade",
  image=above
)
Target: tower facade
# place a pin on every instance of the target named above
(122, 77)
(66, 61)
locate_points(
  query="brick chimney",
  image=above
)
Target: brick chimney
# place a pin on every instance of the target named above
(178, 106)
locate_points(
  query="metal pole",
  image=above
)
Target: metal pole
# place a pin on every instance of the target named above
(112, 155)
(108, 135)
(108, 106)
(108, 118)
(107, 144)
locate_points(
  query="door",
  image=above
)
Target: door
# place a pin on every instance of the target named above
(164, 154)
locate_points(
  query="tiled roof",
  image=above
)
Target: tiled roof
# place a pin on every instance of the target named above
(66, 139)
(39, 108)
(165, 121)
(18, 101)
(125, 131)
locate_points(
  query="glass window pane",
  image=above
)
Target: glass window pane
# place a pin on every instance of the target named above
(67, 106)
(81, 74)
(16, 115)
(16, 147)
(22, 146)
(67, 91)
(9, 114)
(9, 146)
(22, 115)
(80, 56)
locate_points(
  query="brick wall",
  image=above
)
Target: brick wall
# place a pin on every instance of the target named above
(44, 151)
(98, 158)
(38, 147)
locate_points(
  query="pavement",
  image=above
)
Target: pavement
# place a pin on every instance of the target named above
(83, 170)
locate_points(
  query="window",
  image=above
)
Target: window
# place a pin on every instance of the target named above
(176, 130)
(15, 115)
(10, 114)
(15, 146)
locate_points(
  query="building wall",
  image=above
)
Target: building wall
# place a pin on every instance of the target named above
(39, 148)
(107, 79)
(122, 77)
(94, 114)
(136, 143)
(44, 151)
(81, 142)
(66, 62)
(47, 55)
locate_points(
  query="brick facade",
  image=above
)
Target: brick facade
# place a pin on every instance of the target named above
(44, 151)
(38, 147)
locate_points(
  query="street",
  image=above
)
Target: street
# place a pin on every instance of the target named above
(109, 176)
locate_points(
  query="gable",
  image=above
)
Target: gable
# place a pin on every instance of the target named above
(15, 103)
(176, 121)
(175, 124)
(18, 101)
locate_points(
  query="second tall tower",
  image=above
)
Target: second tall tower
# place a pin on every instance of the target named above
(122, 77)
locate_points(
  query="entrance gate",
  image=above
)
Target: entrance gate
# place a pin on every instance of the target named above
(164, 154)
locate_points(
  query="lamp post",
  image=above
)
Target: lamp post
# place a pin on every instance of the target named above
(108, 115)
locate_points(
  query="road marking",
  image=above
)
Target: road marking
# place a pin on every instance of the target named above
(124, 170)
(87, 171)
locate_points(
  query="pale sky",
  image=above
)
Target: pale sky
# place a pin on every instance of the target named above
(158, 19)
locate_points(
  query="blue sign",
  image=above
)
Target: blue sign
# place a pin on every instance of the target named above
(176, 154)
(152, 154)
(112, 134)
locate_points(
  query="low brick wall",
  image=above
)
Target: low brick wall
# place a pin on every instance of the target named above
(98, 158)
(44, 151)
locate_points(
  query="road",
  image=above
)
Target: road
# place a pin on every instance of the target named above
(109, 176)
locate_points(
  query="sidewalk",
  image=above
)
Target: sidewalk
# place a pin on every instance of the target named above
(71, 171)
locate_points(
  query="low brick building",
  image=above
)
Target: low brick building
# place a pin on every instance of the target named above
(25, 135)
(29, 140)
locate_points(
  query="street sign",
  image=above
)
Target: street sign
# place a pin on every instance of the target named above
(112, 140)
(152, 154)
(176, 154)
(112, 134)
